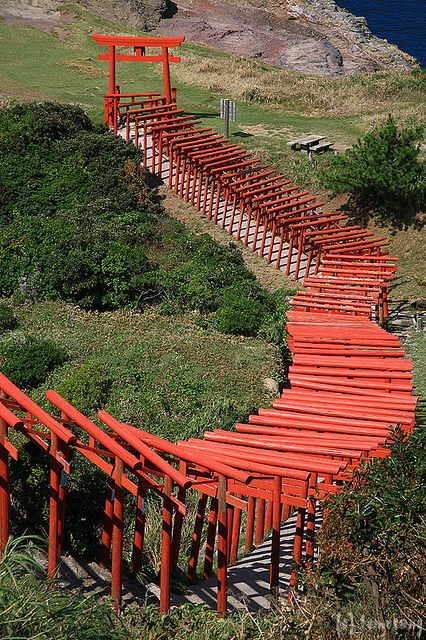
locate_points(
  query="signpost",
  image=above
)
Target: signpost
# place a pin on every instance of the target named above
(228, 112)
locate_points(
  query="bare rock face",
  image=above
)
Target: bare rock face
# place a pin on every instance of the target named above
(315, 36)
(144, 14)
(361, 50)
(41, 14)
(316, 56)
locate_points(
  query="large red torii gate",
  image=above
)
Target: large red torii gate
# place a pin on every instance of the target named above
(139, 43)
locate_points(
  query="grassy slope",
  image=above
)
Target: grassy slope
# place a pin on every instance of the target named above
(170, 376)
(37, 64)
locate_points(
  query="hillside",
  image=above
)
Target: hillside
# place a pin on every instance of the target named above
(315, 36)
(167, 329)
(274, 105)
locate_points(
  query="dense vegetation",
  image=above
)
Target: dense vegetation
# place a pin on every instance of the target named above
(116, 305)
(79, 222)
(370, 574)
(382, 172)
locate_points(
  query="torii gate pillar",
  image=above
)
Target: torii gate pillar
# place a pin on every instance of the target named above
(112, 69)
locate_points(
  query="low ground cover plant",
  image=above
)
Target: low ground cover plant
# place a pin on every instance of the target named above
(28, 361)
(8, 319)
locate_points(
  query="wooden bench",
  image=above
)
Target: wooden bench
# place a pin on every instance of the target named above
(320, 148)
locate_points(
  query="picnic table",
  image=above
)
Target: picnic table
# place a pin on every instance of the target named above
(310, 144)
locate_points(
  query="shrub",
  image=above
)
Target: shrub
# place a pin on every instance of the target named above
(40, 123)
(76, 212)
(79, 222)
(200, 268)
(27, 363)
(8, 319)
(242, 309)
(87, 388)
(372, 544)
(382, 170)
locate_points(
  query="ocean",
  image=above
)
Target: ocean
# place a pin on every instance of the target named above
(401, 22)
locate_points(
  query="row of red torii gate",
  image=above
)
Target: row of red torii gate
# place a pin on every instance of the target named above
(351, 383)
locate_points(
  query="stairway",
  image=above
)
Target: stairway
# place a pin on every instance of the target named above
(244, 230)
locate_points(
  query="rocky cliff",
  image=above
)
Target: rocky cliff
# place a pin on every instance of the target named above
(144, 14)
(314, 36)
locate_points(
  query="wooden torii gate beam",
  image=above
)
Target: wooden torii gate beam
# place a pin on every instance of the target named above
(139, 44)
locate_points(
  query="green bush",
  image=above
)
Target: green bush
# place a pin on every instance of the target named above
(87, 388)
(29, 478)
(75, 212)
(8, 319)
(199, 270)
(372, 540)
(242, 309)
(382, 171)
(27, 363)
(40, 123)
(273, 327)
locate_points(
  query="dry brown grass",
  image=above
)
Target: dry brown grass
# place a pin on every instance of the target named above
(87, 70)
(366, 95)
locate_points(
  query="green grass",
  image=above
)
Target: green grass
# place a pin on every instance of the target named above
(169, 376)
(66, 68)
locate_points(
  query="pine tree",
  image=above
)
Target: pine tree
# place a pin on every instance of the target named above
(382, 171)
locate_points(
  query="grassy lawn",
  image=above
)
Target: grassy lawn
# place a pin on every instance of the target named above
(169, 376)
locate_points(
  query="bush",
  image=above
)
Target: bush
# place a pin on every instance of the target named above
(372, 545)
(27, 363)
(76, 212)
(8, 319)
(382, 171)
(87, 388)
(29, 478)
(200, 268)
(242, 309)
(39, 124)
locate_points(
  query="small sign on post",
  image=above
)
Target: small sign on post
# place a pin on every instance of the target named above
(228, 112)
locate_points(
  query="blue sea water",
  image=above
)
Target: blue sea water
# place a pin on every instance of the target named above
(401, 22)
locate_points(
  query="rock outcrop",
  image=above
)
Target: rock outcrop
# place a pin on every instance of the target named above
(143, 14)
(314, 36)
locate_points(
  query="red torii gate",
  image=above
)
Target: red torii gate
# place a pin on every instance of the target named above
(139, 44)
